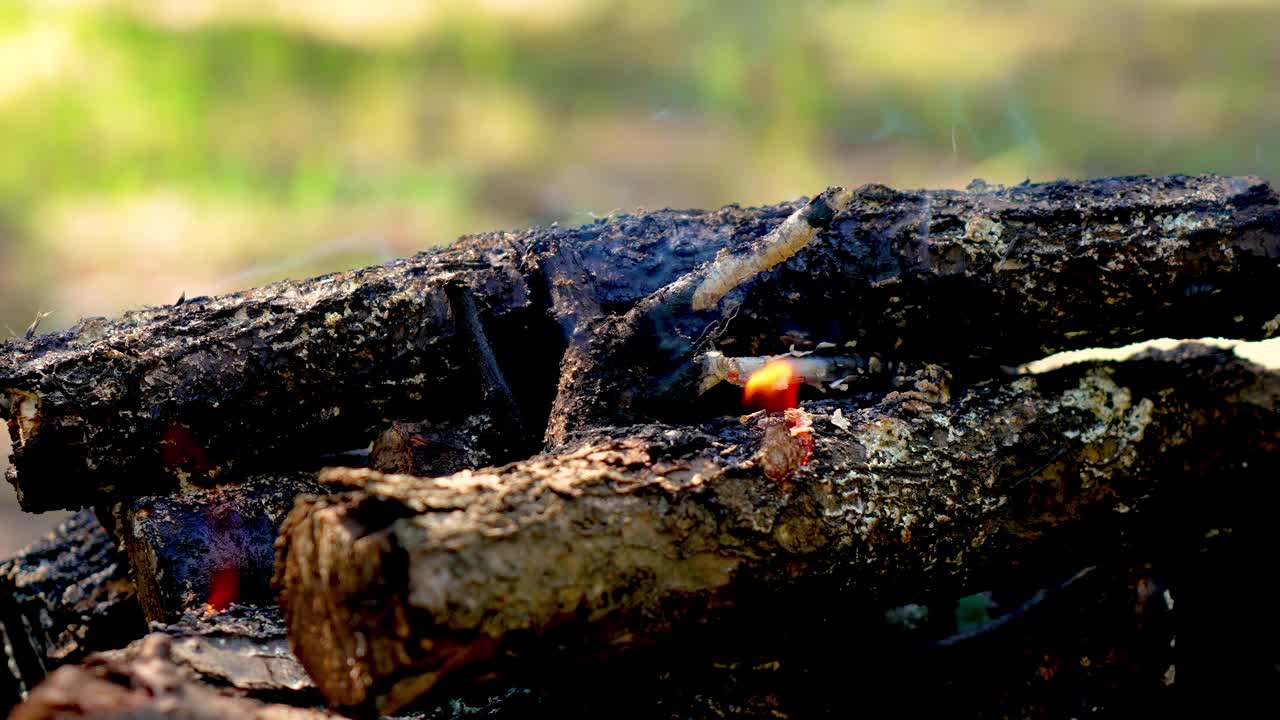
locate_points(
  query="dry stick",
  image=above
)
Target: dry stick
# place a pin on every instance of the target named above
(629, 534)
(293, 370)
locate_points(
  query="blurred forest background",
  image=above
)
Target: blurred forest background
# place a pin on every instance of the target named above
(150, 148)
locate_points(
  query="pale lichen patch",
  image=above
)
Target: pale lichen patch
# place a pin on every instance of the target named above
(1120, 422)
(91, 330)
(982, 230)
(887, 440)
(1098, 393)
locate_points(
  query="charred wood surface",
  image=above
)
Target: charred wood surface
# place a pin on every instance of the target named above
(208, 545)
(406, 584)
(60, 599)
(475, 333)
(142, 682)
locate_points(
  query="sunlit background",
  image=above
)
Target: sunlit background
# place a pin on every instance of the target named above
(150, 148)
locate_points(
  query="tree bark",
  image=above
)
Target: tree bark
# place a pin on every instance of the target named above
(474, 334)
(406, 584)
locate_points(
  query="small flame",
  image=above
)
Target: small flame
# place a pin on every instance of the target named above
(224, 589)
(772, 387)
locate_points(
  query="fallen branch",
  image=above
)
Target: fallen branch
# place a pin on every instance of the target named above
(404, 584)
(475, 333)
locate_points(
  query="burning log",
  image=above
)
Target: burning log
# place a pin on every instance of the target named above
(405, 584)
(60, 599)
(187, 391)
(475, 333)
(208, 546)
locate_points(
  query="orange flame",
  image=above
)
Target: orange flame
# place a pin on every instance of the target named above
(224, 589)
(773, 387)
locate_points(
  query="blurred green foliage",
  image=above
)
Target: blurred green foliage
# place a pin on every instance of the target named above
(152, 148)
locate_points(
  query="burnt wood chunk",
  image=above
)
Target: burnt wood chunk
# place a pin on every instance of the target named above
(403, 584)
(476, 333)
(209, 546)
(60, 599)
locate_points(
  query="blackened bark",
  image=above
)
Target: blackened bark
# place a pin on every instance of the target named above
(629, 534)
(60, 599)
(966, 279)
(208, 545)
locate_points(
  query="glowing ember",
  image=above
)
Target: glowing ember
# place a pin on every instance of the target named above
(180, 450)
(773, 387)
(224, 589)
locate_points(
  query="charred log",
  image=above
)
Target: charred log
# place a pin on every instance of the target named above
(475, 332)
(208, 545)
(60, 599)
(1103, 644)
(404, 584)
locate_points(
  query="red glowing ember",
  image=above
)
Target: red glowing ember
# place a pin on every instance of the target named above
(773, 387)
(224, 589)
(179, 449)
